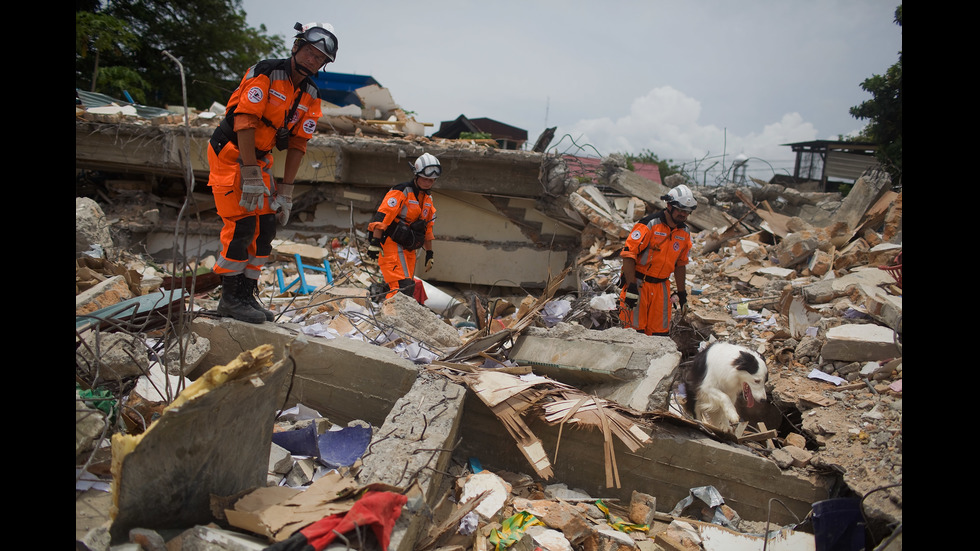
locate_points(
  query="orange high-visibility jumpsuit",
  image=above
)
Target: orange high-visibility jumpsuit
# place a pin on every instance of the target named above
(406, 204)
(262, 101)
(658, 250)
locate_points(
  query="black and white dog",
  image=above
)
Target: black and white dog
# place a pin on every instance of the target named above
(716, 376)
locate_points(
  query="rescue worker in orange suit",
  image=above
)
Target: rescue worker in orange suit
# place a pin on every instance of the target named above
(275, 105)
(657, 246)
(402, 225)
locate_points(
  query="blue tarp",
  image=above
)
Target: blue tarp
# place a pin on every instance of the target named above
(338, 88)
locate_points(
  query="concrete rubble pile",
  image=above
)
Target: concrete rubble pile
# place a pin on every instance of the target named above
(812, 281)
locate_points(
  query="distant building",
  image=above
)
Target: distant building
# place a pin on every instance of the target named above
(506, 136)
(831, 163)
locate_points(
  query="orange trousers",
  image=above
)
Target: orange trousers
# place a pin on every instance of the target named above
(652, 312)
(246, 237)
(397, 267)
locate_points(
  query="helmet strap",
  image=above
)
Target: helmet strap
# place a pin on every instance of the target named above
(303, 71)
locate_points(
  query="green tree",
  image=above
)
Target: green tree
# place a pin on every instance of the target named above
(210, 38)
(884, 113)
(96, 33)
(667, 167)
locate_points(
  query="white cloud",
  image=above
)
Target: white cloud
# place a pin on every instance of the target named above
(666, 122)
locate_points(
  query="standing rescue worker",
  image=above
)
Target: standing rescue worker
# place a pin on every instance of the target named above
(657, 246)
(275, 105)
(402, 225)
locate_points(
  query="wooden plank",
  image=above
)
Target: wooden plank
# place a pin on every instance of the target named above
(759, 436)
(762, 431)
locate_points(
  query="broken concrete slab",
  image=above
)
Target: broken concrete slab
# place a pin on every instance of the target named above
(414, 447)
(516, 265)
(214, 440)
(866, 190)
(621, 365)
(345, 379)
(864, 280)
(91, 227)
(860, 342)
(426, 418)
(183, 356)
(407, 316)
(113, 356)
(627, 181)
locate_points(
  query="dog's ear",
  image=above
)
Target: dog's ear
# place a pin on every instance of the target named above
(746, 362)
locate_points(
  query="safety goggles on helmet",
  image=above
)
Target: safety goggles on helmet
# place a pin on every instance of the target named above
(321, 39)
(431, 171)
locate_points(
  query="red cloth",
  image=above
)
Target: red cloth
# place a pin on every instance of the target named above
(377, 510)
(419, 292)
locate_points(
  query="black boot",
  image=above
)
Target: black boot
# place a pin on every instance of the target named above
(251, 287)
(234, 303)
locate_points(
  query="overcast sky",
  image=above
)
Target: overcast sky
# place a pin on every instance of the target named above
(690, 80)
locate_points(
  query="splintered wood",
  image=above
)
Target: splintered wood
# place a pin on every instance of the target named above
(509, 397)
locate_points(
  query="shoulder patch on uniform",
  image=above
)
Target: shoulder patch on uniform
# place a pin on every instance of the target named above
(635, 234)
(309, 125)
(392, 202)
(255, 94)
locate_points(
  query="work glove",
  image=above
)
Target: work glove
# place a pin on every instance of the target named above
(429, 263)
(284, 200)
(374, 247)
(681, 298)
(632, 296)
(253, 188)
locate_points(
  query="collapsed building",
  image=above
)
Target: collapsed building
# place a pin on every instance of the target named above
(498, 376)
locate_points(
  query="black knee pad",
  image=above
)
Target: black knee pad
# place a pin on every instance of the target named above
(242, 238)
(267, 232)
(407, 286)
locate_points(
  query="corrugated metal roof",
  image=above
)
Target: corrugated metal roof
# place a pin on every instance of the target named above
(95, 99)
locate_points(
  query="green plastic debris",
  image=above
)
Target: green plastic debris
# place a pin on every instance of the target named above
(512, 530)
(100, 399)
(620, 524)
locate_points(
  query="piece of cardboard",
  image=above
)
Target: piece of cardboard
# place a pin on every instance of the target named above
(277, 513)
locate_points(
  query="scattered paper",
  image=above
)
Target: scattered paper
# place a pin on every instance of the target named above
(817, 374)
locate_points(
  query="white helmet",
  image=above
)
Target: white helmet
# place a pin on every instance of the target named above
(427, 166)
(321, 36)
(681, 197)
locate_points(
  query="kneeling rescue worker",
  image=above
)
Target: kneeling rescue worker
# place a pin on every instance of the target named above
(275, 105)
(402, 225)
(657, 246)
